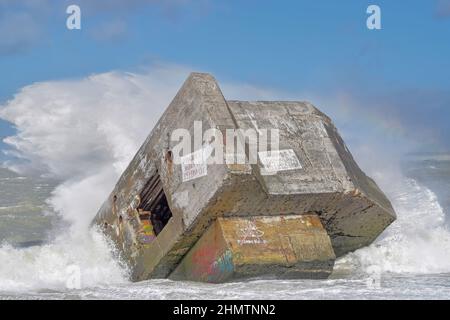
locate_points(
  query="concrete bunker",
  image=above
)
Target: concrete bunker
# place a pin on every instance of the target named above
(219, 222)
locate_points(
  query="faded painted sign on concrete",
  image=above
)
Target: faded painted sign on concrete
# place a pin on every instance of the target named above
(193, 165)
(279, 160)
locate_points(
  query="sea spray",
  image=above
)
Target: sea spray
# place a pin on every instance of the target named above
(417, 242)
(48, 266)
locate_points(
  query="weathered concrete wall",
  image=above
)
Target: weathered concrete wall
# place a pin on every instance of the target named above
(294, 246)
(199, 99)
(330, 183)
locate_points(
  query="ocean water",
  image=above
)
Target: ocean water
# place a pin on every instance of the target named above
(40, 250)
(25, 217)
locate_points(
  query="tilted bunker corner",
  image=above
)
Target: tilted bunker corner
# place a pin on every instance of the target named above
(218, 222)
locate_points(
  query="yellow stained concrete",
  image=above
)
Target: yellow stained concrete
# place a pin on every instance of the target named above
(256, 246)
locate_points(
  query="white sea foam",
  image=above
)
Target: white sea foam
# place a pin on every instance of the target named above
(48, 266)
(84, 133)
(417, 242)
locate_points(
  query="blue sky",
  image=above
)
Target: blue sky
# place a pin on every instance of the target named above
(320, 47)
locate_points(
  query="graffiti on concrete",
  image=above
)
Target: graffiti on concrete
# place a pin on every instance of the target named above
(210, 264)
(250, 234)
(224, 263)
(146, 234)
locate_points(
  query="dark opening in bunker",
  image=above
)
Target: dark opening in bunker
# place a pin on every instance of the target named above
(154, 206)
